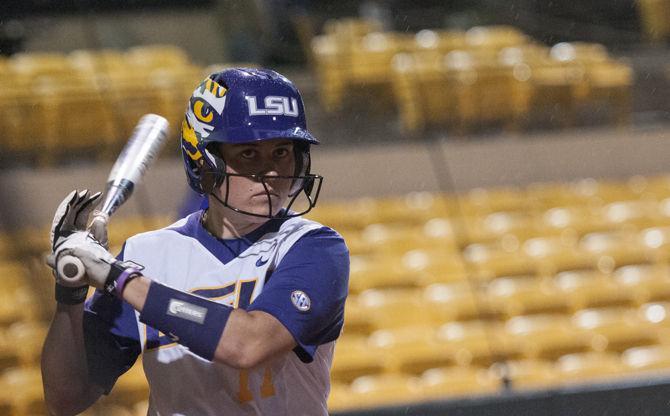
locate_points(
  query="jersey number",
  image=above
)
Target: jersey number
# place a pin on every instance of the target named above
(267, 388)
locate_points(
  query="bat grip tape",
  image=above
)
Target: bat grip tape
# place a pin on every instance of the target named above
(190, 320)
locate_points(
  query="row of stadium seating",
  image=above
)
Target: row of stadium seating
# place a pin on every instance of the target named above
(21, 394)
(463, 78)
(451, 381)
(432, 315)
(52, 104)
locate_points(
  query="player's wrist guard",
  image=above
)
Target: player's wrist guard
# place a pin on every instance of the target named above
(194, 322)
(70, 295)
(120, 273)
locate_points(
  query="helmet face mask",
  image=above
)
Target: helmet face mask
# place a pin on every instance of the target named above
(238, 106)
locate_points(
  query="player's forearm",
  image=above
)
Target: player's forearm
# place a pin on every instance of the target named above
(243, 339)
(64, 370)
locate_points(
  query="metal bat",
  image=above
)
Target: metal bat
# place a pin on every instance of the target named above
(137, 155)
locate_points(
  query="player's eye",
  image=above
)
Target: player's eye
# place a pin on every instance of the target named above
(248, 153)
(281, 152)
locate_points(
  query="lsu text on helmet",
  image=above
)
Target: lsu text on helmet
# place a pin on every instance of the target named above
(243, 105)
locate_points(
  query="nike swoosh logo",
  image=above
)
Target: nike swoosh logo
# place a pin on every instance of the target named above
(261, 262)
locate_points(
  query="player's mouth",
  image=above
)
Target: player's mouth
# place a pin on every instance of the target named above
(265, 195)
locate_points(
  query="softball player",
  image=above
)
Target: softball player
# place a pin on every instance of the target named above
(235, 308)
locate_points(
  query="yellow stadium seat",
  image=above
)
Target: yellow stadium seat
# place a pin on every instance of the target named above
(647, 358)
(29, 338)
(384, 389)
(545, 336)
(346, 215)
(658, 315)
(488, 261)
(30, 65)
(422, 91)
(394, 308)
(355, 357)
(338, 398)
(440, 41)
(131, 388)
(615, 248)
(577, 219)
(131, 95)
(554, 254)
(18, 305)
(526, 373)
(412, 269)
(356, 321)
(413, 208)
(591, 289)
(656, 186)
(155, 56)
(458, 301)
(370, 57)
(13, 275)
(97, 61)
(410, 350)
(645, 282)
(611, 82)
(482, 201)
(654, 17)
(32, 240)
(81, 118)
(175, 84)
(637, 213)
(605, 192)
(615, 328)
(450, 382)
(657, 241)
(399, 238)
(475, 342)
(369, 272)
(589, 367)
(23, 115)
(25, 388)
(331, 69)
(494, 37)
(524, 296)
(435, 265)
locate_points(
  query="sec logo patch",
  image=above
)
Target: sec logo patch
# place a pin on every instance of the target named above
(300, 300)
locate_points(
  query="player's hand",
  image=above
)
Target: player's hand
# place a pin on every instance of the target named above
(96, 259)
(72, 215)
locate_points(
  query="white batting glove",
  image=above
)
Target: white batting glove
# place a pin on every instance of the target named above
(72, 214)
(96, 259)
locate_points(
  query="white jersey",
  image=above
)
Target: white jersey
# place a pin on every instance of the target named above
(185, 257)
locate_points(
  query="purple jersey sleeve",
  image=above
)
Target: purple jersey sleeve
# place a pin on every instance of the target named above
(111, 337)
(307, 290)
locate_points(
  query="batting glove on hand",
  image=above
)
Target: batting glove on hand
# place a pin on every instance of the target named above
(72, 215)
(96, 259)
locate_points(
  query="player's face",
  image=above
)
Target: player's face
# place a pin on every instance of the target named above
(268, 160)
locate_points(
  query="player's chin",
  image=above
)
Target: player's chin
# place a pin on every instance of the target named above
(260, 205)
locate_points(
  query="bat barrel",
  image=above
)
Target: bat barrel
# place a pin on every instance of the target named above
(137, 155)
